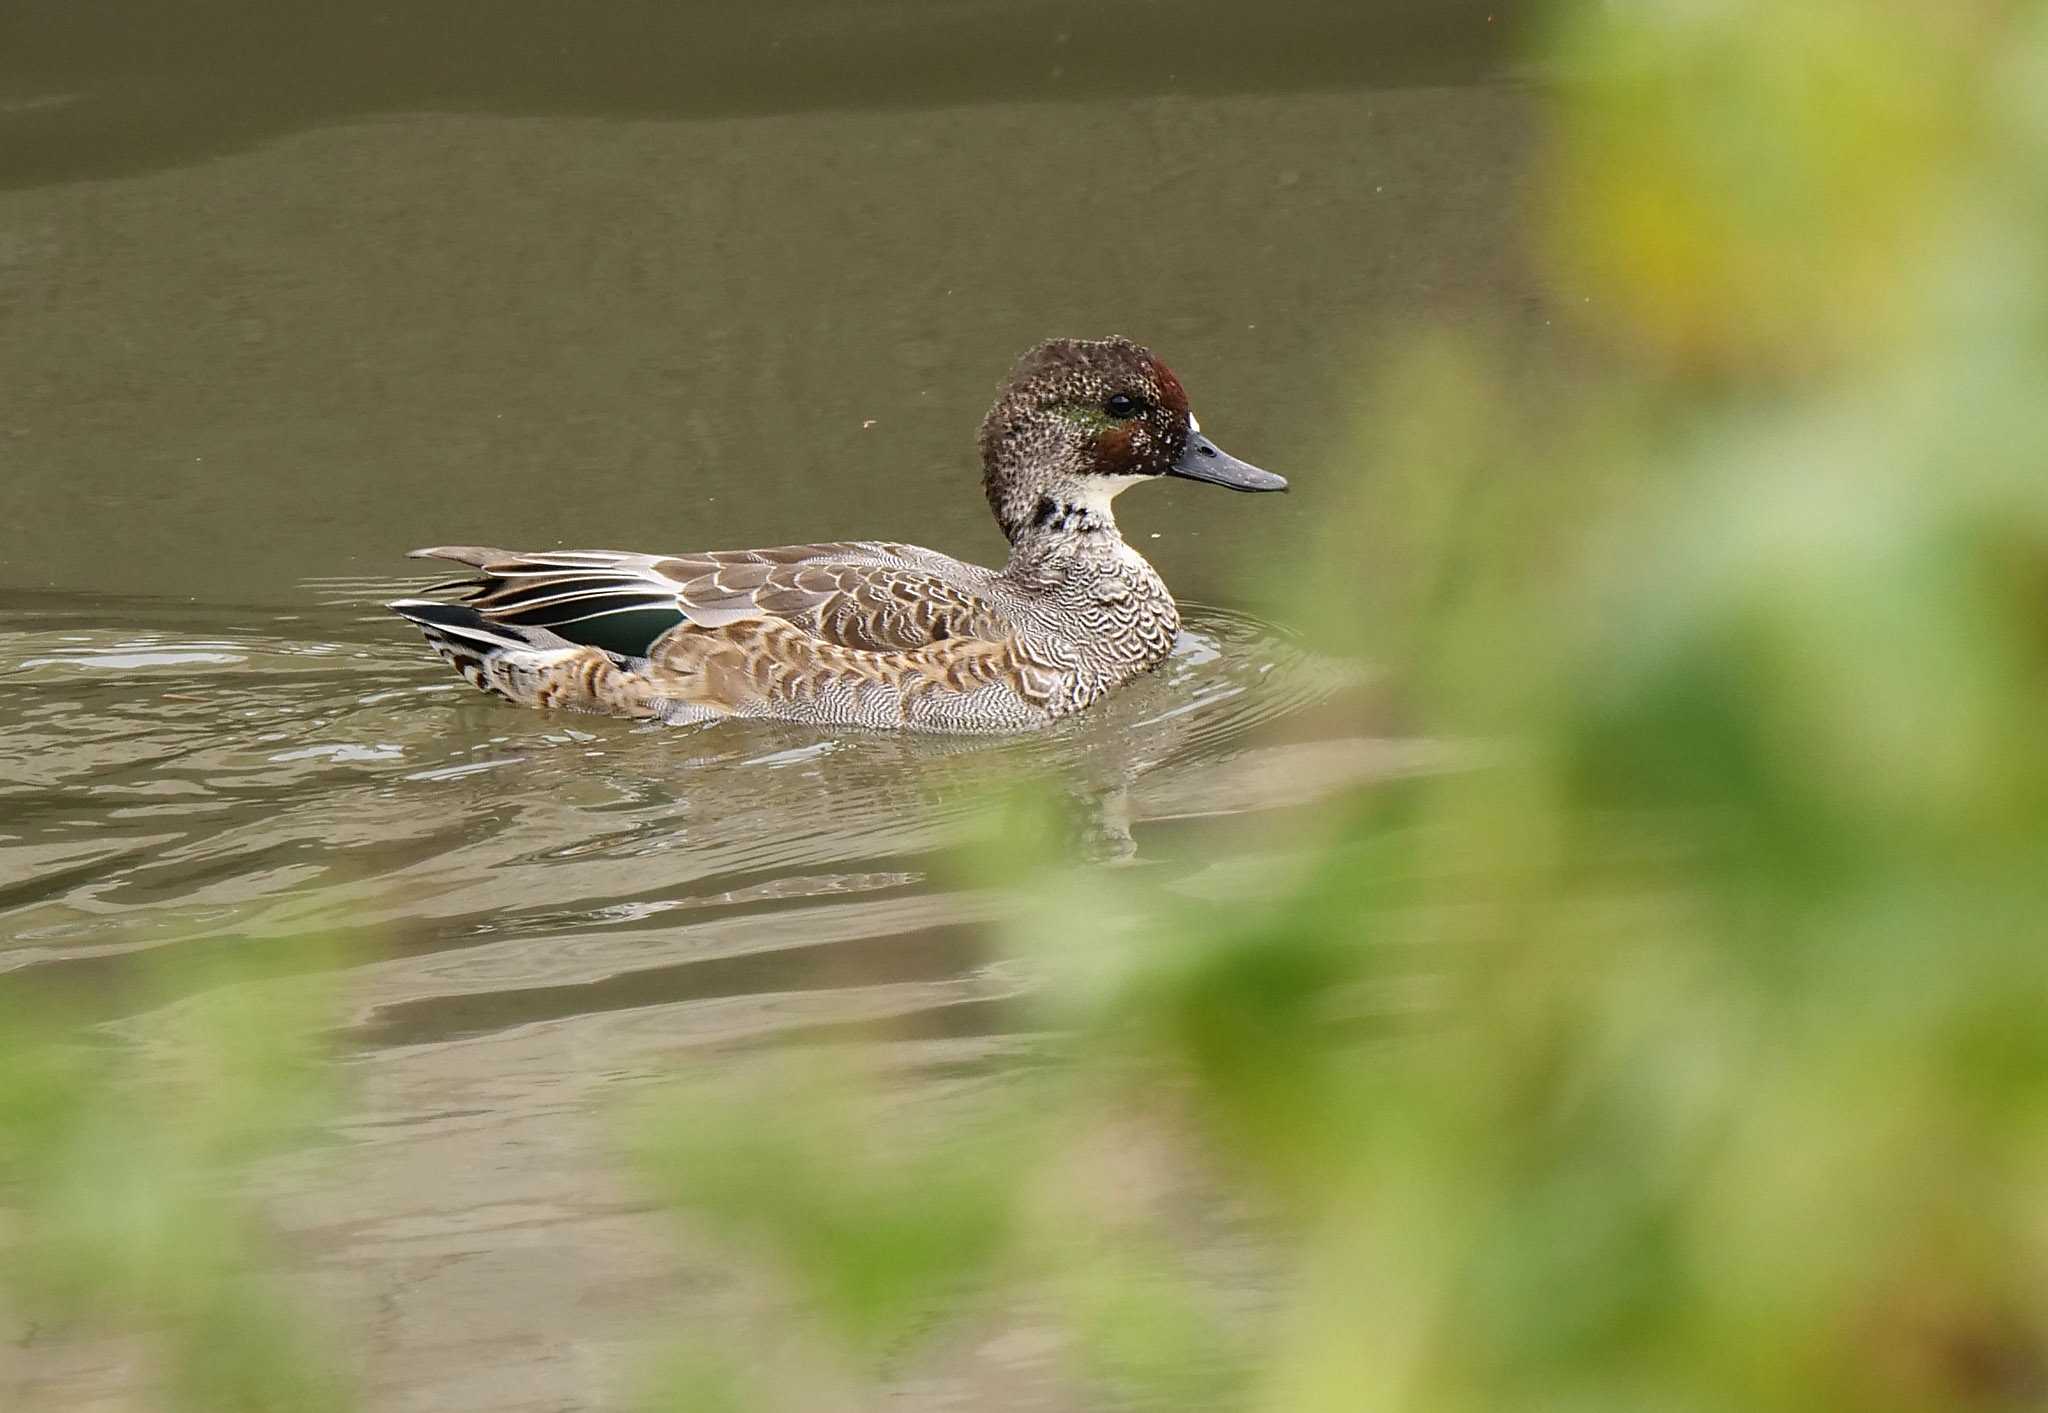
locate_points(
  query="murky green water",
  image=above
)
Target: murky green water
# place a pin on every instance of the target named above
(285, 292)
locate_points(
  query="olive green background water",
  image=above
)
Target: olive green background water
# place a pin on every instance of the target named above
(288, 289)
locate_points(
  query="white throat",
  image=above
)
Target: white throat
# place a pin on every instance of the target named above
(1079, 505)
(1093, 494)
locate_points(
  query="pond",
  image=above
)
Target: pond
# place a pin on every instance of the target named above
(289, 290)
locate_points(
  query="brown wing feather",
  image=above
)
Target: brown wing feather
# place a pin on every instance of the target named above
(877, 596)
(768, 662)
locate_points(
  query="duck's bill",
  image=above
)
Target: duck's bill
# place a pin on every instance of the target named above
(1205, 461)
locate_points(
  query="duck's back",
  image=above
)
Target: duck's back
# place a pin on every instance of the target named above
(869, 594)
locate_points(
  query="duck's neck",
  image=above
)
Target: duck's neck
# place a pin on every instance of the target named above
(1070, 518)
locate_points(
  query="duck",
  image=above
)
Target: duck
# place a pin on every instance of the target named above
(870, 633)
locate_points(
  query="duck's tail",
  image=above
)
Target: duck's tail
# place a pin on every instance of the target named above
(531, 666)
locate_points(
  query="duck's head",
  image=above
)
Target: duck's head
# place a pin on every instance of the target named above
(1079, 421)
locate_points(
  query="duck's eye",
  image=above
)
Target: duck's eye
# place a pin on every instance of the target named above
(1123, 406)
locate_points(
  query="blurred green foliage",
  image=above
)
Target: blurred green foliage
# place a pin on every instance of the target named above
(125, 1157)
(884, 1234)
(1689, 1053)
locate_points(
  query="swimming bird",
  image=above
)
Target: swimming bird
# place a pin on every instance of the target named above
(871, 633)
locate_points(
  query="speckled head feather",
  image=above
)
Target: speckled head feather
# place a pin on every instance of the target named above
(1078, 408)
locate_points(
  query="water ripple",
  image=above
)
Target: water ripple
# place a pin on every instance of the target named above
(205, 771)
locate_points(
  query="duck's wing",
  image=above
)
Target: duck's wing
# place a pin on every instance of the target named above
(858, 594)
